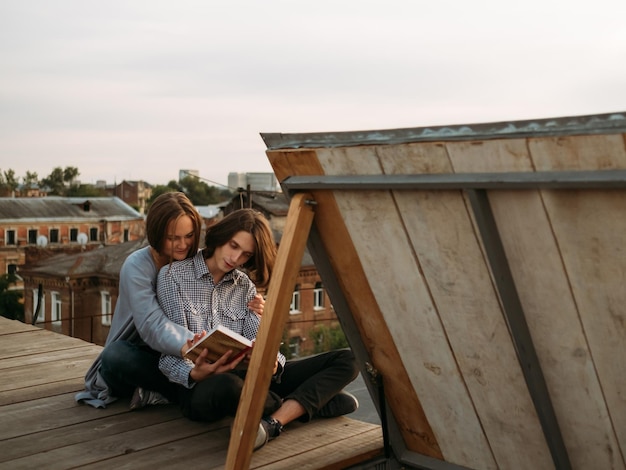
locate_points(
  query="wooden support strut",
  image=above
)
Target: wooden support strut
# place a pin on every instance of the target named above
(257, 382)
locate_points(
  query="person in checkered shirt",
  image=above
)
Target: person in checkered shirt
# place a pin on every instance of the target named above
(214, 288)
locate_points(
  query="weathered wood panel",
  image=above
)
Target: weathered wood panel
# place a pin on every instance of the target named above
(417, 280)
(534, 251)
(374, 330)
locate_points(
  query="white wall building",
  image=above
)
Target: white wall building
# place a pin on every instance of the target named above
(257, 181)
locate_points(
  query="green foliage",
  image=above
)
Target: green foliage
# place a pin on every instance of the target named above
(327, 338)
(8, 182)
(284, 346)
(60, 182)
(85, 190)
(200, 193)
(157, 191)
(60, 179)
(10, 300)
(30, 179)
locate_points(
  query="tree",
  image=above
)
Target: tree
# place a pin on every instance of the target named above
(10, 305)
(30, 179)
(59, 179)
(157, 191)
(8, 182)
(85, 190)
(54, 181)
(327, 338)
(200, 193)
(70, 174)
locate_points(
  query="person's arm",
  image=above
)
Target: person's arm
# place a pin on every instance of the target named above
(250, 330)
(175, 368)
(138, 289)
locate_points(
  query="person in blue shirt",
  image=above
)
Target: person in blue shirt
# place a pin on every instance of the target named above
(213, 288)
(140, 331)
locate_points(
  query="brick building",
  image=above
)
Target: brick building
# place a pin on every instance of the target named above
(40, 227)
(75, 294)
(134, 193)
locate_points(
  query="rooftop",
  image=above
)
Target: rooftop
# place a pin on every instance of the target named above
(43, 427)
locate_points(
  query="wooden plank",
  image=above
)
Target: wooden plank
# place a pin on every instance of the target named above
(14, 326)
(98, 425)
(414, 331)
(15, 378)
(545, 293)
(293, 243)
(437, 270)
(317, 444)
(82, 350)
(49, 413)
(399, 393)
(589, 227)
(206, 450)
(110, 446)
(37, 341)
(42, 390)
(321, 444)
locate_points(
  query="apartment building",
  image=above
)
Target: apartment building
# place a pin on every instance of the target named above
(35, 228)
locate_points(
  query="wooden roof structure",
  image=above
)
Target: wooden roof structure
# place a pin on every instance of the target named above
(478, 272)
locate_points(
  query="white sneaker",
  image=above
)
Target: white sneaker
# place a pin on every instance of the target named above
(261, 437)
(142, 398)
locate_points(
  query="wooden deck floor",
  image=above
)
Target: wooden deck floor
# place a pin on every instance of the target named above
(41, 426)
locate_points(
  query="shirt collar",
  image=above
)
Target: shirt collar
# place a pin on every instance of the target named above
(202, 270)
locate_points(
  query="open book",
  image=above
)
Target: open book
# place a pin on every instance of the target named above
(219, 340)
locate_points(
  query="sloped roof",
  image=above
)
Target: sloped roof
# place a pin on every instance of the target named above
(106, 260)
(68, 208)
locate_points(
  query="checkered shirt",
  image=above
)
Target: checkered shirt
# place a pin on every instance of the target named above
(189, 297)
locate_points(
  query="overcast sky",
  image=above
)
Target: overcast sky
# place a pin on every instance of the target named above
(138, 89)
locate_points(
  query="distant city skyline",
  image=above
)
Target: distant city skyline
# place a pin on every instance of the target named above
(136, 90)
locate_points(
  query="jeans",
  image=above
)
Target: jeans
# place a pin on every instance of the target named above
(126, 366)
(311, 381)
(217, 396)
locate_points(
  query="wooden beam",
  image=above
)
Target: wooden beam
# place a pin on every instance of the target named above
(290, 251)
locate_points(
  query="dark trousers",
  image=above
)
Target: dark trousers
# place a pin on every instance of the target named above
(312, 381)
(126, 366)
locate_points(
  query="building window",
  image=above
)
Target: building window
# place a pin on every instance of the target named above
(54, 235)
(126, 235)
(295, 300)
(73, 234)
(106, 308)
(318, 297)
(55, 312)
(93, 234)
(41, 317)
(10, 237)
(32, 236)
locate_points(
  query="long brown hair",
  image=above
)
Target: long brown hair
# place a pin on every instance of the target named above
(166, 208)
(260, 265)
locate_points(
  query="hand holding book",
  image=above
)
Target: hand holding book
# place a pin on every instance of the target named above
(218, 341)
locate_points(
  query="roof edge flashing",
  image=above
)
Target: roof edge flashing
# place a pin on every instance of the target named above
(575, 125)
